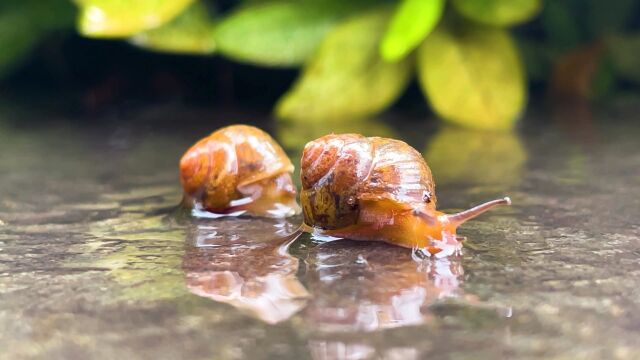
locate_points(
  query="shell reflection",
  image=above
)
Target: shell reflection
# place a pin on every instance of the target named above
(356, 286)
(325, 350)
(355, 290)
(361, 286)
(244, 263)
(365, 287)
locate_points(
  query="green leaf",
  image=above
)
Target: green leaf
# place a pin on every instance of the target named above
(537, 57)
(624, 52)
(561, 27)
(17, 38)
(604, 78)
(24, 23)
(411, 23)
(498, 12)
(472, 76)
(281, 33)
(347, 78)
(190, 32)
(609, 17)
(124, 18)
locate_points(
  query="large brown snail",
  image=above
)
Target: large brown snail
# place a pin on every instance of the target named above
(238, 169)
(371, 188)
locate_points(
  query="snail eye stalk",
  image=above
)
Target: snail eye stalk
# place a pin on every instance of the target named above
(459, 218)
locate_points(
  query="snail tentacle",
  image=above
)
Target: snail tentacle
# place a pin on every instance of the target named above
(459, 218)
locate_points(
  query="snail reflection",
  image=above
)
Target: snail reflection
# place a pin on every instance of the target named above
(244, 263)
(338, 350)
(360, 286)
(355, 290)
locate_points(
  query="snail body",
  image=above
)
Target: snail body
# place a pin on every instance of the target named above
(372, 188)
(238, 169)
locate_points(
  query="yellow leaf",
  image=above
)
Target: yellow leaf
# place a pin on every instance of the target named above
(347, 78)
(123, 18)
(473, 76)
(190, 32)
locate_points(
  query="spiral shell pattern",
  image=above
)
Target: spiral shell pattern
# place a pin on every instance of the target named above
(222, 167)
(340, 172)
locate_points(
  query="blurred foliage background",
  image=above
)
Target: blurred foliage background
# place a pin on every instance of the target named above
(474, 63)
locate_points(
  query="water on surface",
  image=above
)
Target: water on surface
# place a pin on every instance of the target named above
(96, 262)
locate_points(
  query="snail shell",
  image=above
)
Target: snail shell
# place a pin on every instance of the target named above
(239, 168)
(339, 171)
(372, 188)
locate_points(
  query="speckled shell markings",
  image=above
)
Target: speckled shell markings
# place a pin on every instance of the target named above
(400, 173)
(339, 172)
(215, 169)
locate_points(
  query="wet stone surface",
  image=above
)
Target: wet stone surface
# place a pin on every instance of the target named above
(96, 261)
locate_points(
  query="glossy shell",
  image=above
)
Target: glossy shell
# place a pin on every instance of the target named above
(228, 164)
(341, 172)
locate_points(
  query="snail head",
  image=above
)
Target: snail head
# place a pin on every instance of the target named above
(439, 229)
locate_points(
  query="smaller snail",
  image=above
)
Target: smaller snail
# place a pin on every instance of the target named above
(238, 169)
(372, 188)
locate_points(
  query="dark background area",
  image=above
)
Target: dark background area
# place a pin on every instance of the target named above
(80, 74)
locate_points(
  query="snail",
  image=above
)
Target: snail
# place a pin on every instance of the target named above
(372, 188)
(238, 169)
